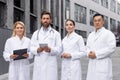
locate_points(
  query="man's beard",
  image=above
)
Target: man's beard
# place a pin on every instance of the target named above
(45, 24)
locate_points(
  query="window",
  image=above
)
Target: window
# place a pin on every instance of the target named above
(43, 4)
(2, 15)
(62, 16)
(19, 10)
(18, 15)
(97, 1)
(55, 13)
(33, 21)
(104, 3)
(80, 14)
(106, 22)
(32, 6)
(118, 28)
(82, 33)
(17, 3)
(62, 36)
(33, 25)
(113, 25)
(113, 5)
(67, 9)
(92, 13)
(52, 8)
(118, 33)
(52, 11)
(118, 8)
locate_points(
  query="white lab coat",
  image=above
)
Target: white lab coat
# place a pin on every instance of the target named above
(45, 64)
(18, 69)
(103, 43)
(71, 67)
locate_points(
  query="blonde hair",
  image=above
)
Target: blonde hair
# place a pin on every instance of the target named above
(14, 26)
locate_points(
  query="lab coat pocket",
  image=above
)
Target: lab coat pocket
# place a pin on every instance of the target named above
(102, 66)
(51, 40)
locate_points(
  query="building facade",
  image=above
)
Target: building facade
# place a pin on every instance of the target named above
(81, 11)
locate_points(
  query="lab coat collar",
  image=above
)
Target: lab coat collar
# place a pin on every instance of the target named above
(99, 30)
(70, 35)
(47, 29)
(19, 38)
(98, 33)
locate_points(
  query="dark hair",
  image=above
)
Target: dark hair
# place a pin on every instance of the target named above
(71, 21)
(98, 15)
(46, 13)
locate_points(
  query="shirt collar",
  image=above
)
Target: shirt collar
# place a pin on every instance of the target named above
(70, 35)
(16, 36)
(99, 30)
(47, 29)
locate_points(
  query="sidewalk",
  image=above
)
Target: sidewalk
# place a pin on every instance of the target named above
(5, 76)
(84, 62)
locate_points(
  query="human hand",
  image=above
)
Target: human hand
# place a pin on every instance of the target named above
(13, 56)
(25, 55)
(66, 55)
(92, 55)
(47, 49)
(40, 49)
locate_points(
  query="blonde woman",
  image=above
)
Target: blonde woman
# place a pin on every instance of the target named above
(18, 69)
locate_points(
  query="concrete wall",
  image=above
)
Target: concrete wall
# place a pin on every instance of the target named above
(4, 34)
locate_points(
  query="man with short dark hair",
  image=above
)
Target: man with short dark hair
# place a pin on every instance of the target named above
(45, 45)
(101, 44)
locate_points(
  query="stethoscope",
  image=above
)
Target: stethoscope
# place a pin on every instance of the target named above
(51, 31)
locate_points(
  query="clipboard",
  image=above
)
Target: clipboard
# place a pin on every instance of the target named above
(20, 52)
(43, 45)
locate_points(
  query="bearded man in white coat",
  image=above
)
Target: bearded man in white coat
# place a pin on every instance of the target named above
(101, 44)
(45, 45)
